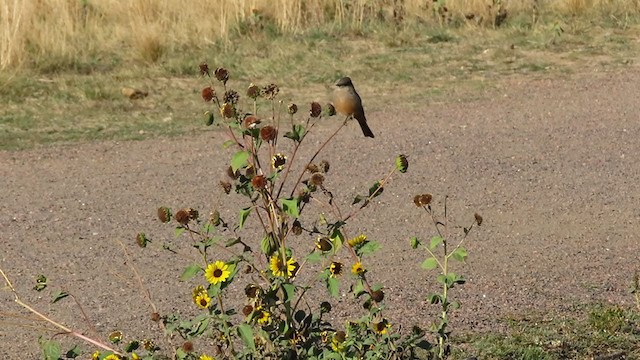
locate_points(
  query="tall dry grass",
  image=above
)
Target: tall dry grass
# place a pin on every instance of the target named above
(34, 32)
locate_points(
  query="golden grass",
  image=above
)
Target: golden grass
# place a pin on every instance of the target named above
(60, 33)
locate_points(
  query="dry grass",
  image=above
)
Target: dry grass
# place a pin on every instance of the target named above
(56, 35)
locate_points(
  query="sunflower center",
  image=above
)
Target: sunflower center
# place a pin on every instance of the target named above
(217, 273)
(203, 302)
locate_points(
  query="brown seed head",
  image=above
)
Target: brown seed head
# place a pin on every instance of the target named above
(340, 336)
(304, 195)
(155, 317)
(259, 182)
(250, 122)
(222, 75)
(330, 110)
(227, 110)
(313, 168)
(316, 110)
(204, 69)
(247, 310)
(164, 214)
(247, 269)
(251, 291)
(231, 96)
(316, 179)
(324, 166)
(193, 214)
(253, 91)
(278, 161)
(187, 346)
(183, 216)
(268, 133)
(249, 172)
(422, 200)
(325, 307)
(335, 268)
(377, 295)
(478, 219)
(208, 93)
(226, 186)
(292, 108)
(270, 91)
(296, 228)
(323, 244)
(141, 240)
(149, 345)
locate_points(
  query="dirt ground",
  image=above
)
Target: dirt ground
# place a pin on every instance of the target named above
(552, 166)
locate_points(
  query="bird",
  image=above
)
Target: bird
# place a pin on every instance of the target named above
(347, 102)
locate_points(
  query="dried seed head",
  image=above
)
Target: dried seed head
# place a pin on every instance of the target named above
(232, 174)
(296, 228)
(335, 269)
(155, 317)
(340, 336)
(304, 195)
(292, 108)
(251, 291)
(422, 200)
(402, 163)
(316, 179)
(115, 336)
(226, 186)
(330, 110)
(247, 269)
(325, 307)
(250, 122)
(478, 219)
(231, 96)
(316, 110)
(270, 91)
(222, 75)
(204, 69)
(187, 346)
(313, 168)
(208, 93)
(323, 244)
(253, 91)
(141, 240)
(259, 182)
(149, 345)
(268, 133)
(247, 310)
(164, 214)
(214, 218)
(377, 295)
(227, 110)
(324, 166)
(182, 216)
(193, 214)
(249, 172)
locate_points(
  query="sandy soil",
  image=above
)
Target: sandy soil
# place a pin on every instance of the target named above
(552, 166)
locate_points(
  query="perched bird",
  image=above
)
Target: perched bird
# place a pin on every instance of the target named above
(347, 102)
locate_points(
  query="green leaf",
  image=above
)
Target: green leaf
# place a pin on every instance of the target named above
(315, 256)
(358, 198)
(73, 353)
(190, 271)
(376, 189)
(358, 289)
(414, 242)
(290, 206)
(333, 286)
(290, 291)
(246, 334)
(429, 263)
(239, 160)
(179, 231)
(244, 213)
(50, 349)
(228, 143)
(232, 241)
(59, 296)
(435, 242)
(454, 305)
(296, 134)
(460, 254)
(133, 345)
(434, 299)
(209, 118)
(368, 248)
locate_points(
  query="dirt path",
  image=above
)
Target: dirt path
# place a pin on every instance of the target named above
(552, 166)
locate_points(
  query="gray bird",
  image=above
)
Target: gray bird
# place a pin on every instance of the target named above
(347, 102)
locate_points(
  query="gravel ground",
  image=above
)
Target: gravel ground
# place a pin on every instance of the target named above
(552, 166)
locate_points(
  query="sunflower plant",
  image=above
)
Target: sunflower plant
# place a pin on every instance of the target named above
(441, 250)
(303, 229)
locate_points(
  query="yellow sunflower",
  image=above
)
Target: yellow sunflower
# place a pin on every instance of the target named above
(201, 297)
(112, 357)
(135, 356)
(381, 326)
(278, 161)
(335, 269)
(95, 355)
(357, 240)
(278, 268)
(217, 272)
(205, 357)
(264, 317)
(357, 269)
